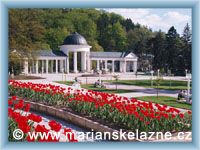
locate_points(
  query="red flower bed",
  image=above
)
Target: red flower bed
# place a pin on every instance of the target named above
(20, 118)
(129, 114)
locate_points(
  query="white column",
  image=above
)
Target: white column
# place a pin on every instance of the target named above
(106, 65)
(33, 66)
(64, 65)
(98, 65)
(75, 62)
(135, 66)
(83, 61)
(36, 66)
(42, 66)
(121, 66)
(113, 66)
(47, 66)
(51, 66)
(124, 67)
(101, 65)
(56, 66)
(26, 67)
(88, 62)
(67, 63)
(61, 66)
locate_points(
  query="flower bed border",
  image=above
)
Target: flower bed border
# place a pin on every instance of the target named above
(76, 119)
(71, 117)
(116, 112)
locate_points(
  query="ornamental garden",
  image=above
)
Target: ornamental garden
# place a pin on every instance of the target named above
(101, 79)
(113, 111)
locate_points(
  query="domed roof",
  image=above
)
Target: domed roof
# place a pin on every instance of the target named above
(75, 39)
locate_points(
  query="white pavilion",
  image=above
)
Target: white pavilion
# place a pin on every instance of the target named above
(74, 45)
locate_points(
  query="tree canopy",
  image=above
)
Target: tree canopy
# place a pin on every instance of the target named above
(38, 29)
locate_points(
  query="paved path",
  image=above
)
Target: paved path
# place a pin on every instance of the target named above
(138, 91)
(142, 91)
(139, 94)
(63, 138)
(91, 78)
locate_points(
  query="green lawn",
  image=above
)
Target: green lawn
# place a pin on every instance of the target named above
(91, 87)
(164, 84)
(170, 101)
(65, 82)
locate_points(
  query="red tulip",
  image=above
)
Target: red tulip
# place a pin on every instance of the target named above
(54, 125)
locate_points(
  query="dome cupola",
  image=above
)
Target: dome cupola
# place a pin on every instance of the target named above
(75, 39)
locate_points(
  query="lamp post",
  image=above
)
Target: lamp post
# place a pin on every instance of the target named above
(170, 78)
(188, 76)
(100, 76)
(158, 82)
(12, 74)
(158, 72)
(116, 77)
(152, 77)
(186, 73)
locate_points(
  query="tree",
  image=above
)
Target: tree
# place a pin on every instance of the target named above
(174, 52)
(187, 47)
(187, 35)
(158, 50)
(137, 40)
(111, 34)
(114, 38)
(95, 46)
(102, 24)
(15, 63)
(81, 23)
(119, 35)
(37, 29)
(25, 36)
(55, 37)
(128, 24)
(25, 29)
(114, 18)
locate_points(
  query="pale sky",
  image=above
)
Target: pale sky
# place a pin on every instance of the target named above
(157, 18)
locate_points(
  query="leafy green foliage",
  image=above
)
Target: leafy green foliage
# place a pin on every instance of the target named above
(38, 29)
(172, 53)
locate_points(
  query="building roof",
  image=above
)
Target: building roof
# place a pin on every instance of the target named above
(75, 39)
(51, 53)
(58, 53)
(111, 54)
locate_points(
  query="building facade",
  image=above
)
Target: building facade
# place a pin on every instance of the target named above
(67, 61)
